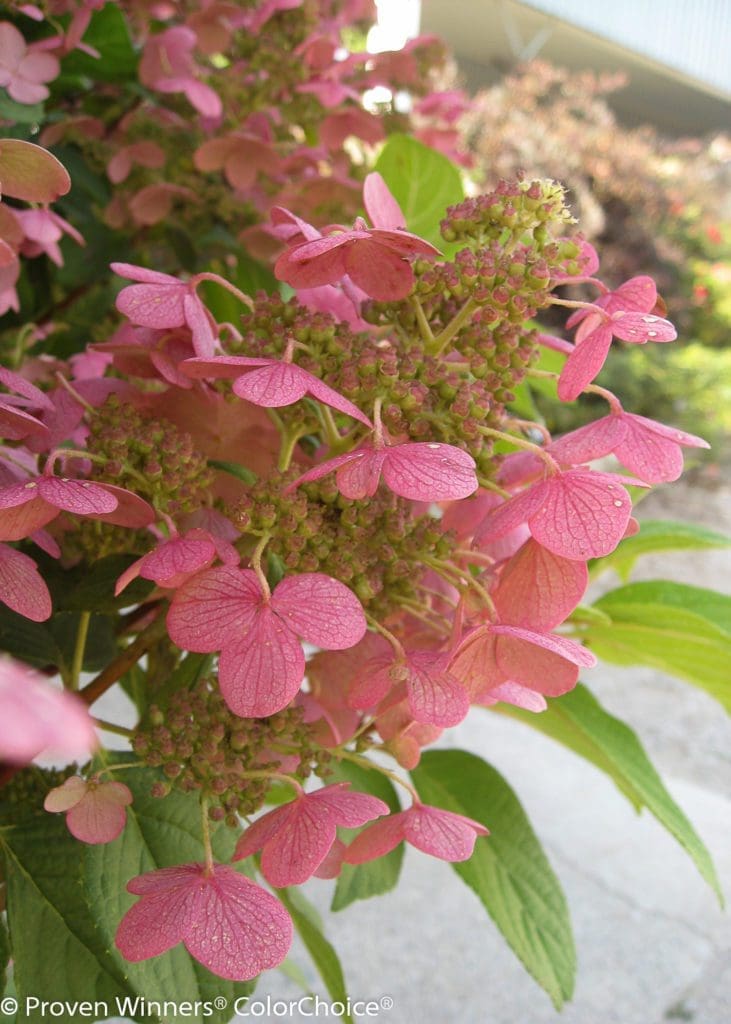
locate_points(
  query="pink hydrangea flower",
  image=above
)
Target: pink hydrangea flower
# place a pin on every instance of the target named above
(296, 838)
(226, 922)
(23, 70)
(435, 697)
(43, 229)
(36, 717)
(594, 339)
(271, 383)
(422, 471)
(576, 513)
(439, 833)
(167, 65)
(175, 560)
(95, 811)
(262, 663)
(29, 505)
(376, 259)
(240, 155)
(160, 300)
(650, 449)
(21, 586)
(497, 653)
(145, 153)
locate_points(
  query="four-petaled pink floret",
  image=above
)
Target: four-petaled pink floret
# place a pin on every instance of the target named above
(225, 921)
(421, 470)
(262, 663)
(439, 833)
(95, 811)
(295, 839)
(375, 259)
(24, 70)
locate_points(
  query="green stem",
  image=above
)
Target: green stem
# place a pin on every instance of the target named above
(79, 648)
(365, 762)
(425, 330)
(206, 830)
(490, 485)
(441, 340)
(118, 730)
(520, 442)
(289, 443)
(388, 635)
(256, 565)
(206, 276)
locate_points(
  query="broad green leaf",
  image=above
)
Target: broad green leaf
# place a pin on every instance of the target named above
(508, 871)
(580, 722)
(322, 952)
(423, 182)
(20, 113)
(159, 833)
(658, 535)
(684, 631)
(361, 881)
(51, 926)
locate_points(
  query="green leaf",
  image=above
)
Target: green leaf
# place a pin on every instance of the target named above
(235, 469)
(682, 630)
(91, 588)
(50, 924)
(322, 952)
(159, 833)
(4, 955)
(362, 881)
(658, 535)
(107, 33)
(423, 182)
(508, 871)
(580, 722)
(20, 113)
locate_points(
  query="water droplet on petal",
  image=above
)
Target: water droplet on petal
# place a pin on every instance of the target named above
(434, 446)
(30, 486)
(619, 504)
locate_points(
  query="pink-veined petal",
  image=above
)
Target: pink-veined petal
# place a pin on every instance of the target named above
(261, 831)
(321, 610)
(509, 515)
(350, 809)
(538, 588)
(593, 441)
(378, 270)
(22, 587)
(272, 386)
(584, 363)
(435, 695)
(199, 321)
(640, 328)
(261, 672)
(377, 840)
(582, 514)
(153, 305)
(173, 561)
(427, 471)
(67, 795)
(292, 855)
(131, 511)
(214, 608)
(441, 833)
(99, 817)
(81, 497)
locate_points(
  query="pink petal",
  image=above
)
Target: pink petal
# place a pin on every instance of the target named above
(651, 450)
(582, 515)
(332, 864)
(435, 696)
(381, 207)
(538, 588)
(261, 831)
(173, 561)
(539, 661)
(29, 172)
(12, 44)
(359, 474)
(131, 511)
(292, 855)
(638, 295)
(214, 608)
(19, 521)
(143, 275)
(328, 396)
(642, 327)
(204, 98)
(273, 386)
(14, 382)
(260, 673)
(81, 497)
(593, 441)
(21, 586)
(310, 264)
(35, 716)
(349, 809)
(96, 818)
(198, 319)
(440, 833)
(509, 515)
(66, 796)
(377, 840)
(321, 610)
(153, 305)
(221, 366)
(403, 242)
(427, 471)
(518, 696)
(377, 269)
(473, 661)
(584, 363)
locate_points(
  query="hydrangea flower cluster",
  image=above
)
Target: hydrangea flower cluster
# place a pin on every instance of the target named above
(323, 526)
